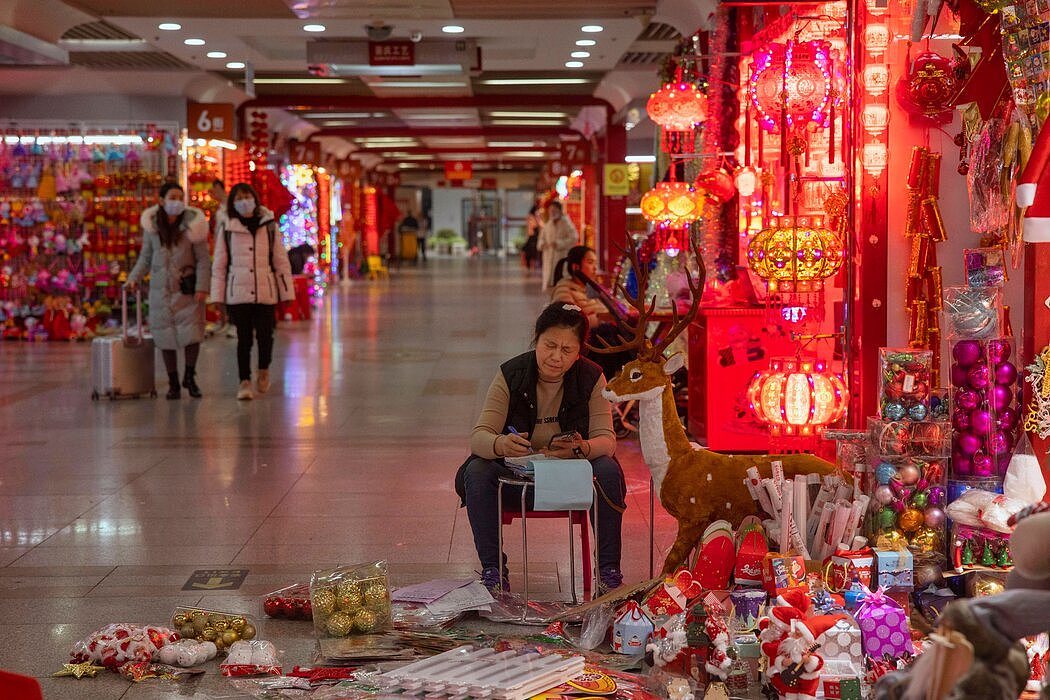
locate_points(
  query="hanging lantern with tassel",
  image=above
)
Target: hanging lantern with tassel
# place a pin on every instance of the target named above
(797, 396)
(677, 107)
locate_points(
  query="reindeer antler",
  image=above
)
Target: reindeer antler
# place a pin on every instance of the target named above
(634, 336)
(696, 292)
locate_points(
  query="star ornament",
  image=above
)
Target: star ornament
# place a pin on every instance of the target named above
(79, 670)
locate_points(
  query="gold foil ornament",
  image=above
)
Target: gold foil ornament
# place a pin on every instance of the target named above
(339, 624)
(366, 621)
(324, 602)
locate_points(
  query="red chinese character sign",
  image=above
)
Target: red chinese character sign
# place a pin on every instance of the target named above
(391, 53)
(458, 170)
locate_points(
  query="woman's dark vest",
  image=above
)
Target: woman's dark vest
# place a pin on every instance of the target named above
(522, 376)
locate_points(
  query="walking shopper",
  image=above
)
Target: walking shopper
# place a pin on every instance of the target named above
(557, 236)
(175, 253)
(529, 252)
(251, 274)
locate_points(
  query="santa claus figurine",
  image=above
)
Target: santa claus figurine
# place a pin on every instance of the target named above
(794, 669)
(1033, 191)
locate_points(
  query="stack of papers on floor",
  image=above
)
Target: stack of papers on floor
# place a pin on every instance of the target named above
(437, 603)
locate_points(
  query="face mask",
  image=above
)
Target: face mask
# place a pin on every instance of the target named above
(244, 207)
(174, 207)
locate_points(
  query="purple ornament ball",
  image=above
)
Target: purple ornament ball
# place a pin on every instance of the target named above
(1007, 418)
(958, 374)
(937, 496)
(1000, 443)
(961, 420)
(963, 465)
(967, 352)
(983, 465)
(967, 399)
(968, 444)
(981, 422)
(934, 517)
(1005, 373)
(978, 377)
(1000, 397)
(999, 350)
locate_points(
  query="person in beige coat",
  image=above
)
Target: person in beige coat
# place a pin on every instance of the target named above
(251, 274)
(557, 236)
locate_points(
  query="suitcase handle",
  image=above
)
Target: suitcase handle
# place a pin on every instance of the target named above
(128, 340)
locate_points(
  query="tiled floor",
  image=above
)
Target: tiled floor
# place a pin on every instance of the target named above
(106, 508)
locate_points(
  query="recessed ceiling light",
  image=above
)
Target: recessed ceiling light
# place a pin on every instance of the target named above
(417, 84)
(592, 28)
(640, 159)
(194, 42)
(235, 64)
(452, 29)
(586, 42)
(580, 54)
(169, 26)
(536, 81)
(314, 27)
(527, 122)
(216, 54)
(574, 64)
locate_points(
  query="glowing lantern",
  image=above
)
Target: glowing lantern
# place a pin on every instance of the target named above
(675, 204)
(677, 107)
(718, 184)
(795, 254)
(791, 85)
(797, 396)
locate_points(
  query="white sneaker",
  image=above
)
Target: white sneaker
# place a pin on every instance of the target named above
(244, 392)
(262, 382)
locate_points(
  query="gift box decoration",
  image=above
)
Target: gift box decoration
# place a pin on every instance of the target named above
(842, 688)
(673, 596)
(883, 627)
(749, 558)
(631, 630)
(895, 569)
(715, 563)
(749, 604)
(847, 564)
(781, 572)
(842, 642)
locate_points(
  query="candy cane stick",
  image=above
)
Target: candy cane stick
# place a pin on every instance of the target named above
(785, 516)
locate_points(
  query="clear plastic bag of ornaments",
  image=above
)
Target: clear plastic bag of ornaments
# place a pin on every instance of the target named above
(351, 600)
(257, 657)
(972, 312)
(118, 643)
(223, 628)
(907, 505)
(990, 208)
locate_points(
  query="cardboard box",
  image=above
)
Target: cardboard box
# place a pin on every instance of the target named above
(841, 688)
(781, 572)
(894, 569)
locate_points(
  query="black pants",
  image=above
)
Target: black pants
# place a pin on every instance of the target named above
(248, 319)
(421, 243)
(481, 486)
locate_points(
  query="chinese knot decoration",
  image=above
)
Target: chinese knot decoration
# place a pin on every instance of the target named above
(924, 225)
(795, 254)
(797, 396)
(929, 89)
(677, 107)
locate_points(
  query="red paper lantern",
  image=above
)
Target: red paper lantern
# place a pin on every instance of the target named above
(792, 85)
(797, 396)
(677, 107)
(718, 184)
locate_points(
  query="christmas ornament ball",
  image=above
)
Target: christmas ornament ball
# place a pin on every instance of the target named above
(909, 474)
(366, 621)
(911, 519)
(985, 586)
(209, 634)
(350, 589)
(887, 518)
(199, 620)
(348, 603)
(178, 620)
(884, 494)
(237, 624)
(893, 411)
(248, 632)
(920, 500)
(967, 352)
(891, 539)
(928, 573)
(934, 517)
(927, 539)
(339, 624)
(375, 595)
(229, 637)
(220, 625)
(324, 601)
(918, 412)
(884, 472)
(188, 631)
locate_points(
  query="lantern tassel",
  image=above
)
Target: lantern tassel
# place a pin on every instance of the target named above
(747, 134)
(831, 133)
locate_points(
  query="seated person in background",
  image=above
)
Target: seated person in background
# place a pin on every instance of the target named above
(535, 396)
(575, 274)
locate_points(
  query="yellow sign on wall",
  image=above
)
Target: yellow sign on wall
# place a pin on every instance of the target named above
(616, 184)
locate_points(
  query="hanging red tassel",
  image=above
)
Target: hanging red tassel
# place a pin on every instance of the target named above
(747, 134)
(831, 133)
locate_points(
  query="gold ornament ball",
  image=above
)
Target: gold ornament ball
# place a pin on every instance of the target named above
(375, 595)
(247, 632)
(324, 601)
(911, 519)
(366, 621)
(985, 586)
(339, 624)
(219, 646)
(178, 620)
(199, 620)
(210, 634)
(188, 631)
(348, 588)
(229, 637)
(220, 625)
(348, 603)
(927, 539)
(891, 539)
(237, 624)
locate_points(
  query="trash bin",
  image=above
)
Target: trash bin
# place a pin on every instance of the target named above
(409, 245)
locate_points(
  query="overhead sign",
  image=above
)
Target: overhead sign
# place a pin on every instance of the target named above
(348, 169)
(574, 153)
(209, 121)
(384, 179)
(391, 53)
(616, 183)
(555, 168)
(458, 170)
(304, 152)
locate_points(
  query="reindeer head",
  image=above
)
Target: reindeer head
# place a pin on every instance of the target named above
(648, 374)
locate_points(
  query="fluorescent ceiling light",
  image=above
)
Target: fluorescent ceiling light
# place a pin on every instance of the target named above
(525, 154)
(536, 81)
(216, 54)
(452, 29)
(451, 140)
(640, 159)
(169, 26)
(580, 54)
(341, 115)
(592, 28)
(235, 64)
(194, 42)
(633, 210)
(514, 144)
(530, 115)
(527, 122)
(299, 81)
(314, 27)
(436, 117)
(387, 139)
(417, 84)
(574, 64)
(586, 42)
(340, 122)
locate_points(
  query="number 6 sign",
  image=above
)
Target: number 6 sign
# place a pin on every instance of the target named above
(209, 121)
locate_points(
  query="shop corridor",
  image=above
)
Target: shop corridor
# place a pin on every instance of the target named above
(107, 508)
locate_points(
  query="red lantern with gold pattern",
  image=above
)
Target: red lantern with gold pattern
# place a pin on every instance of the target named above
(927, 91)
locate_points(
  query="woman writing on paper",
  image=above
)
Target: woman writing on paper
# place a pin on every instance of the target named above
(535, 397)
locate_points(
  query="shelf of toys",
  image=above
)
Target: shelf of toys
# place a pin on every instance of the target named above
(70, 202)
(205, 163)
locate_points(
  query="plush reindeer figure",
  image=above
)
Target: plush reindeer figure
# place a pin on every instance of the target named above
(695, 485)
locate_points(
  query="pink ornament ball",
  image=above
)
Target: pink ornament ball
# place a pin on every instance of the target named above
(979, 377)
(967, 399)
(967, 352)
(1005, 373)
(1000, 443)
(909, 474)
(958, 374)
(968, 444)
(1007, 419)
(963, 464)
(934, 517)
(999, 350)
(961, 420)
(981, 422)
(884, 495)
(983, 465)
(1000, 397)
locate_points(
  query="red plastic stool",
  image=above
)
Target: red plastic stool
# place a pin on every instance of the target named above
(578, 517)
(13, 685)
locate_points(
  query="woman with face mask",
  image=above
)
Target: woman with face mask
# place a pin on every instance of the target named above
(175, 254)
(251, 274)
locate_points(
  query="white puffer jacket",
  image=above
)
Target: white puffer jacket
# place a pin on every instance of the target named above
(248, 273)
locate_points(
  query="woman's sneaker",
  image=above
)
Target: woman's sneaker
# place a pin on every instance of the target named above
(244, 392)
(262, 382)
(491, 579)
(609, 578)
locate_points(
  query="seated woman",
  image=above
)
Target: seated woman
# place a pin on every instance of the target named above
(535, 396)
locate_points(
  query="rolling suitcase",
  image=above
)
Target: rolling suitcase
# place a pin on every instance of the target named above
(123, 366)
